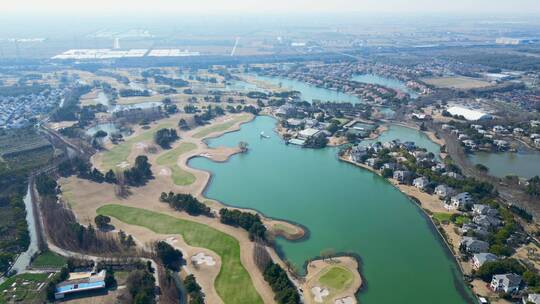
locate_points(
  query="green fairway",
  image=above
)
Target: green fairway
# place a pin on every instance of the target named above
(49, 259)
(233, 283)
(119, 153)
(219, 127)
(337, 278)
(180, 177)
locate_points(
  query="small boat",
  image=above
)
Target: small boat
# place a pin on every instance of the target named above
(264, 136)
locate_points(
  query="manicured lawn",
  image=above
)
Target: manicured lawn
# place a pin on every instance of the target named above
(25, 289)
(49, 259)
(337, 278)
(460, 220)
(119, 153)
(219, 127)
(233, 283)
(442, 217)
(180, 177)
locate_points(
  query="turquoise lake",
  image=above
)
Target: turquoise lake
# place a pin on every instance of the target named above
(309, 92)
(392, 83)
(345, 208)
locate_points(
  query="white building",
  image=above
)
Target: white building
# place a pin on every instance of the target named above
(480, 258)
(507, 283)
(468, 114)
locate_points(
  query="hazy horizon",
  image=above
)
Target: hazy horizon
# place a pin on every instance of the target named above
(220, 7)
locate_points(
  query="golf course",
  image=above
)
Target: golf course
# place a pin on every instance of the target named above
(169, 159)
(233, 283)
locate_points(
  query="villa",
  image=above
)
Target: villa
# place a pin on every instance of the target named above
(358, 152)
(473, 245)
(421, 182)
(508, 283)
(479, 209)
(444, 191)
(532, 298)
(402, 176)
(453, 175)
(480, 258)
(461, 200)
(486, 221)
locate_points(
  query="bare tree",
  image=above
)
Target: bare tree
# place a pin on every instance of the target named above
(121, 188)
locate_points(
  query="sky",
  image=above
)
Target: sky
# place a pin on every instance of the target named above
(113, 7)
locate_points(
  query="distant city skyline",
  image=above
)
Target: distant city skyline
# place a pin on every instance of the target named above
(110, 7)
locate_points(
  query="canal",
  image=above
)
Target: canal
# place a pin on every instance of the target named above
(345, 208)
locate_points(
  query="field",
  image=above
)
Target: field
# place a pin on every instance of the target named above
(337, 278)
(233, 283)
(49, 260)
(180, 177)
(120, 153)
(24, 288)
(442, 217)
(464, 83)
(219, 127)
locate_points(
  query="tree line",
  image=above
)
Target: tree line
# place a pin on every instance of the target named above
(248, 221)
(185, 202)
(284, 289)
(65, 231)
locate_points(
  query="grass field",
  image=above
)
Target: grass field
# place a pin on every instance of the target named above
(442, 217)
(457, 82)
(24, 288)
(180, 177)
(337, 278)
(49, 260)
(120, 153)
(233, 283)
(219, 127)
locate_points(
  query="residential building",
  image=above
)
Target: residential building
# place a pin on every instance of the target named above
(453, 175)
(531, 298)
(402, 176)
(487, 221)
(444, 191)
(479, 209)
(508, 283)
(421, 182)
(357, 152)
(473, 245)
(480, 258)
(461, 200)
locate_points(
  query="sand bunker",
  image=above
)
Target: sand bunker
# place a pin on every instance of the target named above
(319, 293)
(202, 258)
(346, 300)
(141, 145)
(172, 240)
(123, 164)
(165, 172)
